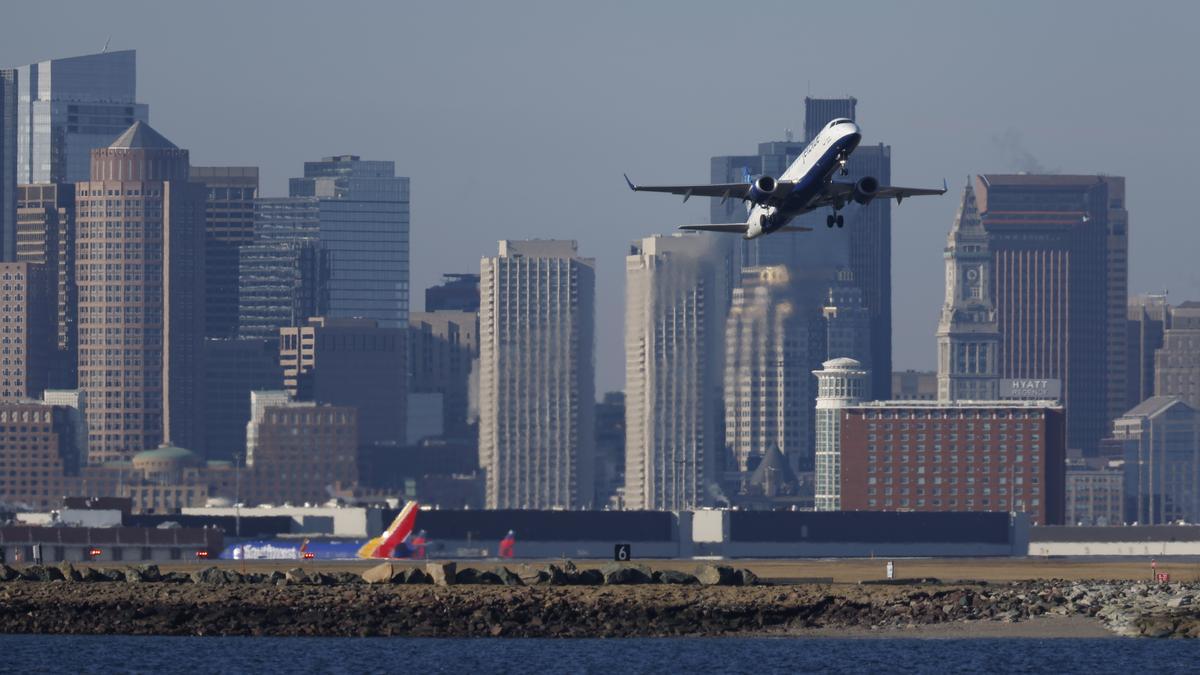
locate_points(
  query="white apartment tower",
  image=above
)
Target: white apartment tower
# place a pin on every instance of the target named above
(768, 354)
(677, 294)
(840, 384)
(537, 375)
(968, 336)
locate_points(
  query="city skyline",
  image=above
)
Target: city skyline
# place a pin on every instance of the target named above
(504, 125)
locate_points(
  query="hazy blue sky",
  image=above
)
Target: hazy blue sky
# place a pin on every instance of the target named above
(516, 119)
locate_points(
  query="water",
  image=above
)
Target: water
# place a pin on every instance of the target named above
(124, 654)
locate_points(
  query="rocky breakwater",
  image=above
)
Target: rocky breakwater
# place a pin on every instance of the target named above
(561, 600)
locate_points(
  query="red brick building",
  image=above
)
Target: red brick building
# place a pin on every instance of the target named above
(955, 456)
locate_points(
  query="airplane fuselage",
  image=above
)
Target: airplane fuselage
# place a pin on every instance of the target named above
(810, 172)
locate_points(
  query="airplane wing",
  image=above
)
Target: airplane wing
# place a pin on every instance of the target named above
(740, 228)
(841, 191)
(723, 190)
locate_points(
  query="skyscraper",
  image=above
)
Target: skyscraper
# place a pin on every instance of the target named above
(229, 223)
(677, 296)
(537, 375)
(864, 246)
(46, 236)
(350, 362)
(1148, 318)
(283, 276)
(68, 107)
(1059, 247)
(8, 163)
(1177, 363)
(26, 330)
(140, 266)
(968, 336)
(458, 292)
(364, 224)
(770, 344)
(442, 347)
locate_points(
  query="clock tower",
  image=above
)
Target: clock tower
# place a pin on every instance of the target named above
(968, 336)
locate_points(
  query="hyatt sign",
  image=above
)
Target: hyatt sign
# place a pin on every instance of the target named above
(1031, 389)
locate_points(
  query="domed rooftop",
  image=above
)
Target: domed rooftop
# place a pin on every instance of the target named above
(842, 363)
(165, 454)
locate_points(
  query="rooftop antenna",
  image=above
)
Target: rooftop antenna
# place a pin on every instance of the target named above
(106, 41)
(787, 133)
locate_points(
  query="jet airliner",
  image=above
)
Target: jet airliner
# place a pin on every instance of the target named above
(807, 185)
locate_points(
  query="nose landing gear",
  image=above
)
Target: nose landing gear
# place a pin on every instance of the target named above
(835, 219)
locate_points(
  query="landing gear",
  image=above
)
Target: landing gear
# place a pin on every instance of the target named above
(842, 165)
(834, 219)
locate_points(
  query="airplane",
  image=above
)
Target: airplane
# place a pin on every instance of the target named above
(806, 186)
(393, 543)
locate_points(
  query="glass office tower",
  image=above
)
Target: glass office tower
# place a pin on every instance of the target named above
(364, 224)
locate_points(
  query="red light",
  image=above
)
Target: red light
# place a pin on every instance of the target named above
(94, 553)
(201, 554)
(309, 556)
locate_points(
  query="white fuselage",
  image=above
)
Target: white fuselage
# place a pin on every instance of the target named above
(809, 174)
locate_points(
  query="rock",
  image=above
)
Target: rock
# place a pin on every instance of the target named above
(113, 574)
(91, 575)
(511, 578)
(466, 576)
(589, 578)
(40, 573)
(746, 578)
(176, 578)
(675, 577)
(1179, 601)
(531, 576)
(209, 575)
(416, 576)
(442, 573)
(626, 573)
(142, 573)
(276, 577)
(716, 575)
(68, 571)
(344, 578)
(297, 575)
(9, 573)
(490, 579)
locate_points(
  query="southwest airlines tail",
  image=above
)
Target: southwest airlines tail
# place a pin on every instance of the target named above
(385, 544)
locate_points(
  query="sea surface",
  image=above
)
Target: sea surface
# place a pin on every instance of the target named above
(124, 654)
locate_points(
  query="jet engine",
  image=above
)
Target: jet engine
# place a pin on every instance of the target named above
(865, 190)
(762, 189)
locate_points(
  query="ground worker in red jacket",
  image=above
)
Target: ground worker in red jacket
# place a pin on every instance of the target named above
(507, 543)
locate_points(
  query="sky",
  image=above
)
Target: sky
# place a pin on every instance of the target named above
(516, 119)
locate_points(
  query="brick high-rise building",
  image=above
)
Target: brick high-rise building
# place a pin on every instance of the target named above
(46, 236)
(229, 223)
(300, 452)
(1059, 247)
(140, 274)
(954, 456)
(39, 449)
(350, 362)
(537, 375)
(26, 330)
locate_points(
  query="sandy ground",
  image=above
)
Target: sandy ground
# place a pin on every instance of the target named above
(841, 571)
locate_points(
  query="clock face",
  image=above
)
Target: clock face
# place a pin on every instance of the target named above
(972, 274)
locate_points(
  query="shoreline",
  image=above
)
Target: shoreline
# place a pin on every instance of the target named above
(617, 601)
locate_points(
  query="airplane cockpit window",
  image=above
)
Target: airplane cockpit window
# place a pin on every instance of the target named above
(840, 120)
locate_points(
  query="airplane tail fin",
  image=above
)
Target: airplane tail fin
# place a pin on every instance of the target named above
(385, 544)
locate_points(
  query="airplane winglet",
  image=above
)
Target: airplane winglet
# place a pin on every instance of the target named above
(629, 182)
(945, 186)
